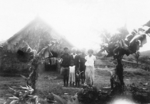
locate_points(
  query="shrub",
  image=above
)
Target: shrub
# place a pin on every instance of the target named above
(144, 59)
(91, 95)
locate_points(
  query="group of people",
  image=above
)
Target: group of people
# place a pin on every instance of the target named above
(77, 68)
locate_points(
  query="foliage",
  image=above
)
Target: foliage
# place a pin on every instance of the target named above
(122, 44)
(144, 59)
(31, 79)
(115, 46)
(91, 95)
(146, 67)
(27, 55)
(139, 93)
(23, 95)
(10, 64)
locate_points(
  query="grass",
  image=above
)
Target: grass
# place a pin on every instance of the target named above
(52, 82)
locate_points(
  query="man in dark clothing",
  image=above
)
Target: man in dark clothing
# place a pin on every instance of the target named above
(80, 67)
(77, 61)
(66, 60)
(77, 67)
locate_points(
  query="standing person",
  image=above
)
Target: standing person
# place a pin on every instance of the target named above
(72, 68)
(82, 67)
(66, 59)
(72, 74)
(73, 53)
(77, 68)
(77, 60)
(89, 72)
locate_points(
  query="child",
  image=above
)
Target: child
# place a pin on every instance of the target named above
(89, 72)
(78, 77)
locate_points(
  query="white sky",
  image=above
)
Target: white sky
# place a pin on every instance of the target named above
(79, 20)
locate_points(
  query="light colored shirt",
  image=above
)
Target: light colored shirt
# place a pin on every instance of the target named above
(72, 69)
(90, 60)
(74, 55)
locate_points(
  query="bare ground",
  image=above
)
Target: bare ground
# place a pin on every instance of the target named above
(52, 82)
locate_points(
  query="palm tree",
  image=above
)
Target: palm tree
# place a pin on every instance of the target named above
(117, 47)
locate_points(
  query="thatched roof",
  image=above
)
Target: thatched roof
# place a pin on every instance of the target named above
(37, 34)
(147, 24)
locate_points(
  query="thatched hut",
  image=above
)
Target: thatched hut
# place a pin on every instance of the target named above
(37, 34)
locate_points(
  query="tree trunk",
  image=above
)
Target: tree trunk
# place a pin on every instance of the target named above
(119, 71)
(34, 78)
(117, 82)
(34, 75)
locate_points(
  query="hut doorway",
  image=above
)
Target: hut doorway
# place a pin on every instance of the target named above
(52, 66)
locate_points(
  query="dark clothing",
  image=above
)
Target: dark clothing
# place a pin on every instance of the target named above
(80, 67)
(65, 73)
(82, 63)
(66, 60)
(77, 61)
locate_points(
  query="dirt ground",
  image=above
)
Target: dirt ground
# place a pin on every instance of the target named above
(52, 81)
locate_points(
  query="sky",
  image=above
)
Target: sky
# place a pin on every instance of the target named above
(80, 21)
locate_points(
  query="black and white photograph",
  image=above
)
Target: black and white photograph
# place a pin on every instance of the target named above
(74, 51)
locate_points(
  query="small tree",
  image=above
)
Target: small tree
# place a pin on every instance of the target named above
(34, 58)
(119, 45)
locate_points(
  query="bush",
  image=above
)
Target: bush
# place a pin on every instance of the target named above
(91, 95)
(147, 68)
(144, 59)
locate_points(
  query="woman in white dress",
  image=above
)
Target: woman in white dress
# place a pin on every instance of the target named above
(89, 72)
